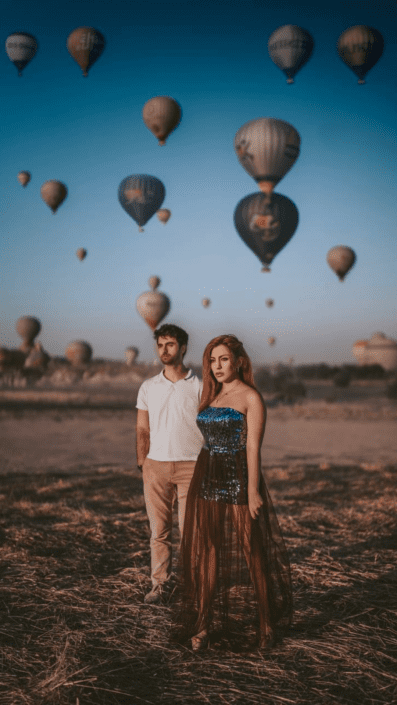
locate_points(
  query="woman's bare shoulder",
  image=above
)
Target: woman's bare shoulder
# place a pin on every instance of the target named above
(252, 398)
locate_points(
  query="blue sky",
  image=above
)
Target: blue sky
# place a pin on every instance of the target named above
(88, 132)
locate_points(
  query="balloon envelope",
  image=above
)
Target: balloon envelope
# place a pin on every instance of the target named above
(360, 47)
(21, 48)
(269, 303)
(154, 282)
(53, 193)
(163, 215)
(27, 328)
(271, 340)
(341, 259)
(266, 224)
(81, 253)
(290, 47)
(131, 355)
(267, 148)
(85, 45)
(161, 116)
(141, 196)
(78, 352)
(153, 306)
(206, 302)
(24, 177)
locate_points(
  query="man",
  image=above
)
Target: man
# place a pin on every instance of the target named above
(168, 443)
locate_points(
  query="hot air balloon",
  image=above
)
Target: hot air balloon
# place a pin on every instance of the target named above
(24, 177)
(27, 328)
(360, 47)
(53, 193)
(266, 224)
(21, 48)
(141, 196)
(267, 148)
(81, 253)
(131, 355)
(37, 358)
(290, 47)
(163, 215)
(161, 116)
(271, 340)
(341, 259)
(154, 282)
(206, 302)
(269, 303)
(85, 45)
(153, 306)
(78, 353)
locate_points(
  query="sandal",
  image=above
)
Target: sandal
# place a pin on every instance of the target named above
(200, 641)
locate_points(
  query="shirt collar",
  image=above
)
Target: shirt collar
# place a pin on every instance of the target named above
(162, 377)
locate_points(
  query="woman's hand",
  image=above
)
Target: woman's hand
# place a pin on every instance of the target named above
(255, 502)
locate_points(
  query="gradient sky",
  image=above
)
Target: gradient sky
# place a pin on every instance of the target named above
(211, 56)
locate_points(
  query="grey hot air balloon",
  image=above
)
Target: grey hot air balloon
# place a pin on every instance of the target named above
(206, 302)
(161, 116)
(78, 353)
(163, 215)
(85, 45)
(27, 328)
(24, 177)
(53, 193)
(153, 306)
(21, 48)
(81, 253)
(341, 259)
(267, 148)
(141, 196)
(290, 47)
(360, 47)
(269, 303)
(131, 354)
(271, 340)
(266, 224)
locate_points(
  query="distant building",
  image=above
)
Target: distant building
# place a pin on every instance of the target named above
(378, 350)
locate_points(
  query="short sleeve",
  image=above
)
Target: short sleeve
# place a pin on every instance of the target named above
(142, 401)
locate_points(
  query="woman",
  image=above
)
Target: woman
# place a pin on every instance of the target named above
(232, 550)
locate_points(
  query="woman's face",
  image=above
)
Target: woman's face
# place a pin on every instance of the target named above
(223, 364)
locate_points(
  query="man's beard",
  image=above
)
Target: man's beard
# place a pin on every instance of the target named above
(171, 359)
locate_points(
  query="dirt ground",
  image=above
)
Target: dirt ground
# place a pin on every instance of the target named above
(73, 439)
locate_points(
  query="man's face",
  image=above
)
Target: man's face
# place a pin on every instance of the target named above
(169, 351)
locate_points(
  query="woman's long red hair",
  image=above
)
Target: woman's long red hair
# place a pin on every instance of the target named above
(211, 386)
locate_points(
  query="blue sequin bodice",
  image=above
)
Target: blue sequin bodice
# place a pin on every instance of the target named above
(225, 433)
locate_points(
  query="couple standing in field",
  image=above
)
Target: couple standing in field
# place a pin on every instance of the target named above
(232, 551)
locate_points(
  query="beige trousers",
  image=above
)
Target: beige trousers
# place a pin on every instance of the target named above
(162, 481)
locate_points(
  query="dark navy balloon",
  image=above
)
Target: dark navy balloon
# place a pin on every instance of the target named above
(266, 224)
(141, 196)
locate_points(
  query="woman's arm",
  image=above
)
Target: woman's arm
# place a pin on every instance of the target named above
(256, 422)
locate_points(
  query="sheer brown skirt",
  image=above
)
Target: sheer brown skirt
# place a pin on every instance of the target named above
(234, 570)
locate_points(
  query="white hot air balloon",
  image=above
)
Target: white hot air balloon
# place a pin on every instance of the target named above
(290, 47)
(21, 48)
(153, 306)
(267, 148)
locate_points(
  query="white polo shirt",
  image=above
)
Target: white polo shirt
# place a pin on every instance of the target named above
(172, 407)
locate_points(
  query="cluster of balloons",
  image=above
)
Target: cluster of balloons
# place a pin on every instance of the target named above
(142, 195)
(85, 45)
(360, 47)
(290, 47)
(266, 148)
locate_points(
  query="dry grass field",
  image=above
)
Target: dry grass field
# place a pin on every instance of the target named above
(74, 566)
